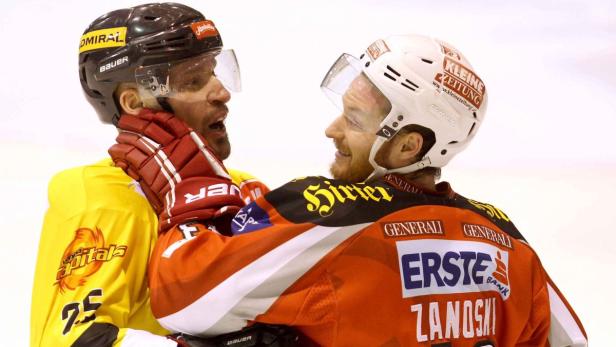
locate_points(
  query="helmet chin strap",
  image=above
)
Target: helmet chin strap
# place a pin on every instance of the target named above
(156, 103)
(164, 104)
(380, 171)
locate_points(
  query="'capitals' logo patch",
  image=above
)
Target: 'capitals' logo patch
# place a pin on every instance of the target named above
(250, 218)
(446, 267)
(84, 256)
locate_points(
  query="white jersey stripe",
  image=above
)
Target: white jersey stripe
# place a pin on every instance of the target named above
(564, 330)
(253, 289)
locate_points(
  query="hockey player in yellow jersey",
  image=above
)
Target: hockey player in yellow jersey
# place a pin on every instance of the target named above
(90, 286)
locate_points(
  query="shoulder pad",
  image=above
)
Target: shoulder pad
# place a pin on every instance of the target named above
(238, 176)
(494, 214)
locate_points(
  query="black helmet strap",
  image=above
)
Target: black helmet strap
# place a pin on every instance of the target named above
(164, 103)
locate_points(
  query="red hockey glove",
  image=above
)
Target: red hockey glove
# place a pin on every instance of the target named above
(179, 174)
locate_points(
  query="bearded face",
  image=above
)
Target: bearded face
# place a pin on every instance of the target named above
(353, 132)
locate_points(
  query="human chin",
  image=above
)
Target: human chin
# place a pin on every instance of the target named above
(221, 147)
(337, 170)
(358, 168)
(348, 171)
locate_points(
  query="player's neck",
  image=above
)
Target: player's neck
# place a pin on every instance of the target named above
(414, 184)
(423, 181)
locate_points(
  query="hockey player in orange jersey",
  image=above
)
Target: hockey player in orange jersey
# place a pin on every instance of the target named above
(380, 255)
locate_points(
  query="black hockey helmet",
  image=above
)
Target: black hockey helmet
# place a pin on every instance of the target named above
(117, 43)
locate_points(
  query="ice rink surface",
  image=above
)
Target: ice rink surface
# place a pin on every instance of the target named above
(545, 153)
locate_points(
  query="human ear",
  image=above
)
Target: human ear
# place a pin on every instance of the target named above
(409, 147)
(129, 101)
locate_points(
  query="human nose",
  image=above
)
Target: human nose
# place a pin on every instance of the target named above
(333, 130)
(218, 93)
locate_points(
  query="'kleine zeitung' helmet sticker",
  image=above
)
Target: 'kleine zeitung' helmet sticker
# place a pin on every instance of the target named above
(459, 81)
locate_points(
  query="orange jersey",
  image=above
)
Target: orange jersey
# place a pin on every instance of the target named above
(363, 265)
(250, 187)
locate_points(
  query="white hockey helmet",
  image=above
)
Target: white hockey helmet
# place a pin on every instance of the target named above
(428, 82)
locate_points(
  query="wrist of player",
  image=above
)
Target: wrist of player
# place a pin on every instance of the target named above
(200, 199)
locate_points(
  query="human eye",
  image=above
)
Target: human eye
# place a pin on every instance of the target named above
(353, 123)
(193, 83)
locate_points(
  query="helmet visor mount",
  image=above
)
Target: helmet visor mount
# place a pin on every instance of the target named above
(188, 76)
(360, 101)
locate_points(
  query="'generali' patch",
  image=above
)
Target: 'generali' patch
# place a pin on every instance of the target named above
(412, 228)
(484, 232)
(204, 29)
(462, 82)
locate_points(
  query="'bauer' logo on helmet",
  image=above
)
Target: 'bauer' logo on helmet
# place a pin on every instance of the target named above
(103, 38)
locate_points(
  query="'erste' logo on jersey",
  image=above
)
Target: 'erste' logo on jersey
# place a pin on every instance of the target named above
(446, 267)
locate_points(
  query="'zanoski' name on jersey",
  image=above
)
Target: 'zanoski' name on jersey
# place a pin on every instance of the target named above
(429, 267)
(455, 319)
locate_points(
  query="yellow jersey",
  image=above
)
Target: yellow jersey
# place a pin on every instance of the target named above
(90, 283)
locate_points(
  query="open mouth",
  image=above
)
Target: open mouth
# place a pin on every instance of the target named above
(218, 126)
(342, 154)
(218, 123)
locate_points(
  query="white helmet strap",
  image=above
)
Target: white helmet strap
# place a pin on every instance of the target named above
(380, 171)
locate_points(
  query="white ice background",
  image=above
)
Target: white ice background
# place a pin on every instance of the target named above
(545, 153)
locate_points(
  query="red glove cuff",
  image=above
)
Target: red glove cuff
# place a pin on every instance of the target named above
(200, 198)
